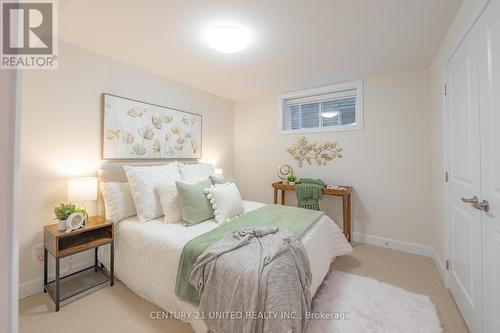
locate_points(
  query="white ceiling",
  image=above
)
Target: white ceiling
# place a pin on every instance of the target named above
(297, 44)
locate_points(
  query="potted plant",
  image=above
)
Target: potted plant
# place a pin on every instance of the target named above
(292, 179)
(62, 212)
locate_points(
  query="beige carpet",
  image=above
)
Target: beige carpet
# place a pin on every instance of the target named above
(117, 309)
(408, 271)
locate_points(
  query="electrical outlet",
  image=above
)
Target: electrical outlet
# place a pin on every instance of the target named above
(38, 253)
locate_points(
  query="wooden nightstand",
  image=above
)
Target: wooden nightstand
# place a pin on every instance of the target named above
(96, 232)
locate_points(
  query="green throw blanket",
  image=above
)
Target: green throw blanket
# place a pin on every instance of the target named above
(309, 192)
(295, 220)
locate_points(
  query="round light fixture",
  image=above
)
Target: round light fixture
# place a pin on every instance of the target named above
(227, 39)
(329, 114)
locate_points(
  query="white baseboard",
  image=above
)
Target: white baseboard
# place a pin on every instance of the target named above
(420, 249)
(36, 285)
(423, 250)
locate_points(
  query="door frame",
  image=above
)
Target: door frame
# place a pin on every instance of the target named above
(445, 172)
(469, 300)
(446, 162)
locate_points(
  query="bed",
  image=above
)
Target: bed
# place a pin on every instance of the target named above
(147, 257)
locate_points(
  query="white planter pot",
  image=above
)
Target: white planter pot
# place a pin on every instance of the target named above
(291, 183)
(62, 225)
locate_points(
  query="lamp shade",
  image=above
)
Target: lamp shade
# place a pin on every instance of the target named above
(82, 189)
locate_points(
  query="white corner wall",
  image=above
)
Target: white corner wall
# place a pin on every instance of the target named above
(388, 162)
(9, 158)
(60, 135)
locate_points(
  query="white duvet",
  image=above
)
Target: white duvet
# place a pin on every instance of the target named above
(147, 256)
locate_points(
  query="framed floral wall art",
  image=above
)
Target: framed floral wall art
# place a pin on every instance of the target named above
(138, 130)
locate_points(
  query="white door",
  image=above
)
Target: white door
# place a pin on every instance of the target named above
(489, 80)
(464, 180)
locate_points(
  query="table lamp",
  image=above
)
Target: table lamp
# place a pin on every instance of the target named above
(81, 190)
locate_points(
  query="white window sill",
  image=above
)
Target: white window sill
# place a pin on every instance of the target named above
(343, 128)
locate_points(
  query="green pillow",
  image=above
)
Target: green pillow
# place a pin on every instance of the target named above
(193, 201)
(217, 180)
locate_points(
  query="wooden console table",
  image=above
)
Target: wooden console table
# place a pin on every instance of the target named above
(344, 193)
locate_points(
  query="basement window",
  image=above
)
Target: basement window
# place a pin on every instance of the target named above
(332, 108)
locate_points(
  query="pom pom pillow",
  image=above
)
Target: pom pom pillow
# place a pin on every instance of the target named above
(226, 201)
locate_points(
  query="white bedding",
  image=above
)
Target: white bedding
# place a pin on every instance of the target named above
(147, 257)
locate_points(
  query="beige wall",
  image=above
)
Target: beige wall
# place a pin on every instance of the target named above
(60, 133)
(466, 16)
(388, 162)
(394, 163)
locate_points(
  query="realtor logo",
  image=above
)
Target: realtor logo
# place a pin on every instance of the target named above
(29, 38)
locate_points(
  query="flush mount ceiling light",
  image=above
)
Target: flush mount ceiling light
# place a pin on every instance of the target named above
(227, 38)
(329, 114)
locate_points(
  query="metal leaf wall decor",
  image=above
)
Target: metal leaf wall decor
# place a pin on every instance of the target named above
(302, 151)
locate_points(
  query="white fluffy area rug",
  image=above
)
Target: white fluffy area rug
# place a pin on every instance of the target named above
(350, 303)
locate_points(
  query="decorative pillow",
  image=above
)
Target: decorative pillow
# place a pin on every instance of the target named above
(195, 207)
(196, 172)
(217, 180)
(117, 201)
(169, 202)
(226, 201)
(143, 181)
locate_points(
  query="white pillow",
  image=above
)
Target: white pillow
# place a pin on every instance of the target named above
(196, 172)
(226, 201)
(169, 202)
(117, 201)
(143, 181)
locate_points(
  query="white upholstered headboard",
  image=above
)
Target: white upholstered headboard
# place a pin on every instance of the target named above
(113, 172)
